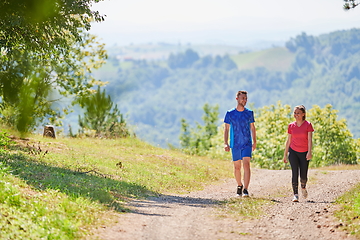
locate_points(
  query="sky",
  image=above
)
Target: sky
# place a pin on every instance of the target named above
(228, 22)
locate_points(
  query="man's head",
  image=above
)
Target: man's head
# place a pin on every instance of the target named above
(241, 98)
(241, 92)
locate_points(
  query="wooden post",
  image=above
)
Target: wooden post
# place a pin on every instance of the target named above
(49, 131)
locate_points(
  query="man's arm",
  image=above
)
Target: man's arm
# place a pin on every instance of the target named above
(226, 137)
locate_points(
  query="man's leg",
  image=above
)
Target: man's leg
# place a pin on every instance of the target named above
(247, 172)
(237, 172)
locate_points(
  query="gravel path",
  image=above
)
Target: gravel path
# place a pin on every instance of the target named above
(195, 216)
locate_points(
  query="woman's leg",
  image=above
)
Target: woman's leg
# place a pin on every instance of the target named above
(304, 166)
(294, 163)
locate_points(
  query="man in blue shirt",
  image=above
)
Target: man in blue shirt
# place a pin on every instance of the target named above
(239, 124)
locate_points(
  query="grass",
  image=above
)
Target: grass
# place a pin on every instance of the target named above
(340, 167)
(244, 208)
(276, 59)
(62, 188)
(349, 211)
(348, 204)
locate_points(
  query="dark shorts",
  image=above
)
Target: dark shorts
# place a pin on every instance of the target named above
(239, 154)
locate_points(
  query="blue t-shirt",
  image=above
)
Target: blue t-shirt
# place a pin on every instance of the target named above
(240, 134)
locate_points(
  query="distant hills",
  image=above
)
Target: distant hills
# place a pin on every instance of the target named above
(157, 85)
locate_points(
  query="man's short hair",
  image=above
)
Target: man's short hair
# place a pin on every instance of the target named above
(241, 92)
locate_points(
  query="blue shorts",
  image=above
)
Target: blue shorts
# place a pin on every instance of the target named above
(239, 154)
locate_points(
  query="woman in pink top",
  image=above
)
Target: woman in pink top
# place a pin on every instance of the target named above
(298, 149)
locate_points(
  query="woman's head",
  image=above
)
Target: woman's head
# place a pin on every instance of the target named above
(301, 111)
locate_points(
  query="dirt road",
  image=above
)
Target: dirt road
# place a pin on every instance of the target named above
(195, 216)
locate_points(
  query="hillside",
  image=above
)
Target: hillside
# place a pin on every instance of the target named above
(85, 188)
(65, 188)
(274, 59)
(310, 70)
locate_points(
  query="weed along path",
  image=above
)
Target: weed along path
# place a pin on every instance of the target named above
(199, 215)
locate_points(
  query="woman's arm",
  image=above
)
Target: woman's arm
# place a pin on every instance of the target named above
(309, 153)
(253, 135)
(287, 145)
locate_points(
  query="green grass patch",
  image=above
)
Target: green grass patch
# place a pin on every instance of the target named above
(277, 59)
(349, 211)
(29, 214)
(244, 208)
(340, 167)
(62, 188)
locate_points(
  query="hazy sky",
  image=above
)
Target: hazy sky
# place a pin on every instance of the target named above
(231, 22)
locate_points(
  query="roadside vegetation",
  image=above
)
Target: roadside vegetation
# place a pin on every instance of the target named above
(349, 211)
(62, 188)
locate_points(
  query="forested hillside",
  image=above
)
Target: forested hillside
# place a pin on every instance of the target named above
(309, 70)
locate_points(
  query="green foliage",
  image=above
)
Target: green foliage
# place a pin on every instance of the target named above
(271, 128)
(198, 140)
(302, 42)
(5, 141)
(333, 142)
(102, 116)
(349, 4)
(191, 59)
(183, 60)
(42, 55)
(217, 150)
(32, 106)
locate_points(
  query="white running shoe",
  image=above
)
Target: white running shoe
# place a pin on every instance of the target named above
(304, 192)
(296, 198)
(245, 193)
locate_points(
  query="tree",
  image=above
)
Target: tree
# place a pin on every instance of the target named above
(349, 4)
(333, 142)
(271, 128)
(45, 43)
(102, 116)
(198, 140)
(183, 60)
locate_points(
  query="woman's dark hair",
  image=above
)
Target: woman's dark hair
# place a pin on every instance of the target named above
(303, 109)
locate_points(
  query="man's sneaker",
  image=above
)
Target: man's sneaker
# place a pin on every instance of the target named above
(304, 192)
(245, 193)
(239, 190)
(296, 198)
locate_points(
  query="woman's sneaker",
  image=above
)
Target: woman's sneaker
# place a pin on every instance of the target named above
(304, 192)
(245, 193)
(239, 190)
(295, 198)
